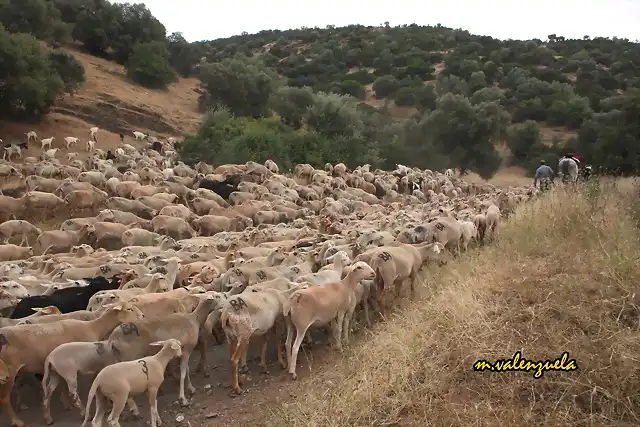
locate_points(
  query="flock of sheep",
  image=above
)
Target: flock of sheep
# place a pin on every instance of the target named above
(181, 258)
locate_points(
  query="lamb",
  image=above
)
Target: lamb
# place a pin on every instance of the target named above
(93, 132)
(46, 142)
(31, 344)
(118, 381)
(13, 252)
(31, 135)
(131, 340)
(332, 302)
(469, 232)
(272, 166)
(70, 140)
(139, 135)
(331, 274)
(253, 312)
(91, 146)
(65, 362)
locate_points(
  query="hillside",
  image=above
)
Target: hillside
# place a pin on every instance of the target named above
(110, 101)
(431, 97)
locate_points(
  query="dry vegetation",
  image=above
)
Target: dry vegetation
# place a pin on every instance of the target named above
(563, 277)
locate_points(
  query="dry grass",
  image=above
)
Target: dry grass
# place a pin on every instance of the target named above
(562, 277)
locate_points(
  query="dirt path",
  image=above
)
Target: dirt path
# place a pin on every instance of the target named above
(213, 405)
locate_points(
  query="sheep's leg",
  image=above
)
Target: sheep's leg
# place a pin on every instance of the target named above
(184, 366)
(101, 406)
(263, 355)
(278, 332)
(294, 351)
(5, 401)
(365, 310)
(289, 339)
(133, 408)
(337, 330)
(346, 324)
(72, 385)
(202, 348)
(153, 407)
(47, 391)
(241, 345)
(119, 402)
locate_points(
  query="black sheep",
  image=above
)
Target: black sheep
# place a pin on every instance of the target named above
(67, 300)
(220, 188)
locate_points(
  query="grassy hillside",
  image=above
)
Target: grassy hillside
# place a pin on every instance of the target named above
(109, 100)
(568, 284)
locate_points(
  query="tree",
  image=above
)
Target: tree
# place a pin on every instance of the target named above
(183, 56)
(149, 65)
(522, 138)
(29, 83)
(136, 25)
(68, 68)
(385, 86)
(242, 84)
(291, 104)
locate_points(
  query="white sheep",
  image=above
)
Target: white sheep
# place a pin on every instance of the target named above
(31, 135)
(70, 140)
(93, 132)
(46, 142)
(91, 145)
(119, 381)
(65, 362)
(139, 135)
(50, 154)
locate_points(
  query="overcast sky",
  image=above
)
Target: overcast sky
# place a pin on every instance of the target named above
(206, 20)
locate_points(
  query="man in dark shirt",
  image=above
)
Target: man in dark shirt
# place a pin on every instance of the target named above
(544, 175)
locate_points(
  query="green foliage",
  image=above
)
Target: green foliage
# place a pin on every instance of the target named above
(243, 85)
(29, 76)
(68, 68)
(183, 56)
(148, 65)
(385, 86)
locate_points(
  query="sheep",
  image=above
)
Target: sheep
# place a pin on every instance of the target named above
(67, 299)
(318, 305)
(46, 143)
(119, 381)
(272, 166)
(139, 135)
(57, 239)
(492, 221)
(131, 340)
(480, 222)
(140, 237)
(65, 362)
(18, 227)
(70, 140)
(12, 206)
(31, 344)
(91, 146)
(253, 312)
(93, 132)
(13, 252)
(31, 135)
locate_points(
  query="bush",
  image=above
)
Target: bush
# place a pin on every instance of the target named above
(68, 68)
(385, 86)
(29, 80)
(148, 65)
(405, 97)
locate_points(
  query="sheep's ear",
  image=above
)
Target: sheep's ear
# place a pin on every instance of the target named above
(436, 248)
(116, 306)
(37, 309)
(157, 343)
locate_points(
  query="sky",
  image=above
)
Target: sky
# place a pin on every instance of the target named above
(503, 19)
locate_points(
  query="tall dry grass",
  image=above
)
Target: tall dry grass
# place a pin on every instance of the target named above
(563, 276)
